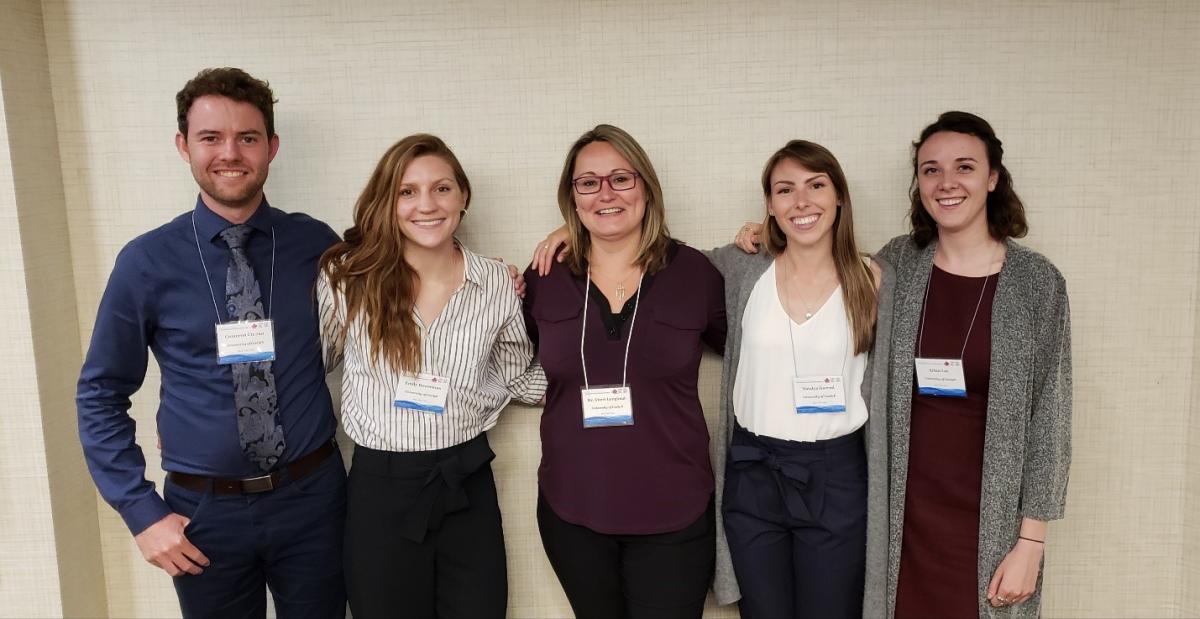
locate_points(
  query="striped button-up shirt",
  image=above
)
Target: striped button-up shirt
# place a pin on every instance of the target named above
(478, 342)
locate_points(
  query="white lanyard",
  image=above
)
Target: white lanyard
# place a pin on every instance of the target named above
(583, 330)
(208, 279)
(925, 307)
(792, 338)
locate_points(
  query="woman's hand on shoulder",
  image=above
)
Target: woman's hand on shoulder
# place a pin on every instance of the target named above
(544, 255)
(747, 237)
(876, 272)
(517, 277)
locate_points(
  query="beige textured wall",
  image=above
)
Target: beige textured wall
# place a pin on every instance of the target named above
(49, 509)
(29, 568)
(1191, 535)
(1096, 101)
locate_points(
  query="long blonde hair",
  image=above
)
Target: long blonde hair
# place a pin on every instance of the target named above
(368, 266)
(858, 283)
(652, 251)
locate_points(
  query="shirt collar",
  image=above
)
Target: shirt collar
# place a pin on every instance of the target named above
(210, 224)
(473, 271)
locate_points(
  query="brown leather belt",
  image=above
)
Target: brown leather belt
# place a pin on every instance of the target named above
(296, 470)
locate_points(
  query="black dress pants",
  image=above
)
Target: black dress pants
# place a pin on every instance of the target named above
(423, 534)
(659, 576)
(796, 521)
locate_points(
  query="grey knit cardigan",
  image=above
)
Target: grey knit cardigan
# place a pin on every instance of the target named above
(741, 272)
(1027, 436)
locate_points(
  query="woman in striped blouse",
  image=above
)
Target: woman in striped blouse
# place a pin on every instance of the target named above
(433, 344)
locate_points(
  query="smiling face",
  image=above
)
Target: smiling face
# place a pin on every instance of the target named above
(804, 204)
(608, 214)
(954, 179)
(229, 152)
(429, 202)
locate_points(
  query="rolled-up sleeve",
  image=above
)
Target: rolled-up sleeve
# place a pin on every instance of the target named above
(513, 358)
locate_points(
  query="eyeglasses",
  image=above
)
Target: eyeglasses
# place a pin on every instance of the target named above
(617, 181)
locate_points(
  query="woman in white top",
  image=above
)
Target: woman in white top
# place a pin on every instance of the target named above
(433, 344)
(795, 496)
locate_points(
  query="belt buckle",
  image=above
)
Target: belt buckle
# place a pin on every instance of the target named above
(255, 485)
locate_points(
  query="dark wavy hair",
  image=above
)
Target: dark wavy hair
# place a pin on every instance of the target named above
(1005, 211)
(230, 83)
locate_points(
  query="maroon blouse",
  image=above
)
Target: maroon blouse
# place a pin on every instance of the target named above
(939, 563)
(654, 476)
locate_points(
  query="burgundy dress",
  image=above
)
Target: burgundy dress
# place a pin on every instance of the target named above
(939, 557)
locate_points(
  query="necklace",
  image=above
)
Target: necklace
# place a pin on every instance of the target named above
(791, 281)
(620, 289)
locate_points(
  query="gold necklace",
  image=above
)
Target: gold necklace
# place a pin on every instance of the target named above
(794, 282)
(620, 289)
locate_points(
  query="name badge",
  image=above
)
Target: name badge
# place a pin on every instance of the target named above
(245, 342)
(422, 392)
(942, 378)
(607, 406)
(819, 394)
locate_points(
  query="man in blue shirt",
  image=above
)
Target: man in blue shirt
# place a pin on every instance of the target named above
(255, 490)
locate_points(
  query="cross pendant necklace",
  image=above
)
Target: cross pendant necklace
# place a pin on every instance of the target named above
(620, 288)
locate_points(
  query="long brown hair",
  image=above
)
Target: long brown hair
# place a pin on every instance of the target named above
(368, 266)
(858, 283)
(1005, 211)
(652, 251)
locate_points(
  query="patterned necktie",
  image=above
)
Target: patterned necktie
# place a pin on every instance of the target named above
(253, 383)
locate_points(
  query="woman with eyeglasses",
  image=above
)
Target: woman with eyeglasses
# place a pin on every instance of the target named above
(794, 438)
(979, 387)
(625, 503)
(433, 345)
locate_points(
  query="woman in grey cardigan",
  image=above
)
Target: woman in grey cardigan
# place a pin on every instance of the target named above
(980, 444)
(972, 480)
(794, 485)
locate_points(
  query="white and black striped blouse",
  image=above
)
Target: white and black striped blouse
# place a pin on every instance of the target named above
(478, 341)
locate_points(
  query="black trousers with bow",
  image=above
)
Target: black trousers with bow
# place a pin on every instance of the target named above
(423, 534)
(796, 521)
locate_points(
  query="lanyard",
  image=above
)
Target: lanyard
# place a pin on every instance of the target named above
(208, 279)
(925, 307)
(583, 331)
(792, 338)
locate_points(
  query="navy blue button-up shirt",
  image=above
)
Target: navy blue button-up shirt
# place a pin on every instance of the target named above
(157, 300)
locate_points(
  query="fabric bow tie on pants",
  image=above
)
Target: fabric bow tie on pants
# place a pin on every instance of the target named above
(801, 488)
(443, 493)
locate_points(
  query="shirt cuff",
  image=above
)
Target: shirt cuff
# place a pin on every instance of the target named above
(529, 387)
(144, 512)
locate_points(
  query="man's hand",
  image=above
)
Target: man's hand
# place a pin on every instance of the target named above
(164, 544)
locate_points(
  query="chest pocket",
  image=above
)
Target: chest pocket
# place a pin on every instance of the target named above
(558, 334)
(667, 340)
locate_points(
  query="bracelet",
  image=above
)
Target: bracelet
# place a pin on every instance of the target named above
(1030, 539)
